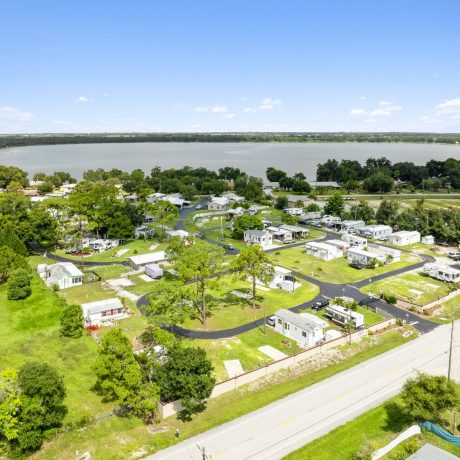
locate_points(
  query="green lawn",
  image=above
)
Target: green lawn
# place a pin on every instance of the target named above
(417, 288)
(90, 292)
(121, 438)
(245, 348)
(451, 308)
(205, 222)
(379, 426)
(107, 272)
(226, 310)
(370, 317)
(134, 247)
(335, 271)
(29, 331)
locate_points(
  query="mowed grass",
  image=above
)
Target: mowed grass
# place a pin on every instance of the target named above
(132, 248)
(226, 310)
(121, 438)
(417, 288)
(107, 272)
(379, 426)
(335, 271)
(88, 292)
(245, 348)
(29, 331)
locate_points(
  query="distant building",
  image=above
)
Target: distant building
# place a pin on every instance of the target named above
(218, 203)
(351, 225)
(375, 232)
(297, 232)
(328, 184)
(62, 274)
(136, 262)
(343, 316)
(323, 251)
(103, 311)
(428, 240)
(355, 241)
(143, 232)
(260, 237)
(404, 238)
(306, 329)
(279, 234)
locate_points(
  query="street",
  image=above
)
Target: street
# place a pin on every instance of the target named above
(273, 431)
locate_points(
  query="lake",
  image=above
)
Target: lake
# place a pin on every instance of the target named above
(254, 158)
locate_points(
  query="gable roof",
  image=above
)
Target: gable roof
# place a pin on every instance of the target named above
(91, 308)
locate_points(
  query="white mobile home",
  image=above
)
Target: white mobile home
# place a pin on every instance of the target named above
(306, 329)
(260, 237)
(404, 238)
(355, 241)
(323, 251)
(428, 240)
(363, 257)
(305, 217)
(154, 271)
(331, 220)
(442, 272)
(297, 232)
(293, 211)
(343, 246)
(103, 311)
(343, 316)
(351, 225)
(218, 203)
(279, 234)
(283, 279)
(390, 255)
(376, 232)
(62, 274)
(136, 262)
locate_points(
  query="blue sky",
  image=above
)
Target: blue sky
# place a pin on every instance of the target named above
(176, 65)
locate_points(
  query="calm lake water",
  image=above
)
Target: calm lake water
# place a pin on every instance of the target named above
(252, 158)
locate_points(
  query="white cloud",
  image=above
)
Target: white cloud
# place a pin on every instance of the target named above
(12, 113)
(242, 98)
(269, 103)
(250, 110)
(82, 99)
(358, 112)
(228, 115)
(385, 103)
(447, 107)
(380, 113)
(200, 108)
(219, 109)
(197, 126)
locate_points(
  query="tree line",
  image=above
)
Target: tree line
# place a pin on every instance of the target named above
(20, 140)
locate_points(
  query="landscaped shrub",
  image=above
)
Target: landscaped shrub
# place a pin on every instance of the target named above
(19, 285)
(390, 298)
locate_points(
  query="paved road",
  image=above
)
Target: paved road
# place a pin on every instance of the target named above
(282, 427)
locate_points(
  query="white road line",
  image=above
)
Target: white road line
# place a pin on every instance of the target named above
(413, 322)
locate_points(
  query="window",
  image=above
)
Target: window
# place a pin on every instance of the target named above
(304, 334)
(279, 321)
(286, 326)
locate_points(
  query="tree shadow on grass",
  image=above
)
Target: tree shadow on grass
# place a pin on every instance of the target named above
(396, 420)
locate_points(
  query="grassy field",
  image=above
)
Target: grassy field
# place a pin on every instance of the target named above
(133, 248)
(121, 438)
(90, 292)
(226, 310)
(245, 348)
(417, 288)
(29, 331)
(107, 272)
(335, 271)
(370, 317)
(379, 426)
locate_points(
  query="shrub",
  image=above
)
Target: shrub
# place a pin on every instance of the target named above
(390, 298)
(72, 321)
(19, 285)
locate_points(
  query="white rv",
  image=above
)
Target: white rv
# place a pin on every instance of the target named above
(442, 272)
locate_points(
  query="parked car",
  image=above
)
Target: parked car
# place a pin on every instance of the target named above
(288, 241)
(316, 223)
(319, 304)
(199, 206)
(356, 266)
(454, 255)
(271, 321)
(230, 247)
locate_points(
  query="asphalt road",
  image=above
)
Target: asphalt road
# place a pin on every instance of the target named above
(275, 430)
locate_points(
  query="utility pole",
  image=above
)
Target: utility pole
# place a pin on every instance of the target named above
(221, 228)
(203, 452)
(450, 348)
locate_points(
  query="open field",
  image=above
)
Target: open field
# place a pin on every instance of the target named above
(29, 331)
(107, 272)
(89, 292)
(226, 310)
(379, 426)
(121, 438)
(245, 348)
(335, 271)
(133, 247)
(416, 288)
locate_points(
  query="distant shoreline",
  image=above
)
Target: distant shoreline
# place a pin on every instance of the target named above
(22, 140)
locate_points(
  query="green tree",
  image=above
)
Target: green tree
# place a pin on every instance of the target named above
(164, 213)
(201, 262)
(289, 219)
(9, 238)
(275, 175)
(427, 397)
(42, 394)
(281, 202)
(301, 186)
(72, 321)
(187, 375)
(361, 211)
(335, 205)
(246, 222)
(19, 284)
(10, 261)
(10, 405)
(387, 212)
(168, 304)
(378, 182)
(254, 263)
